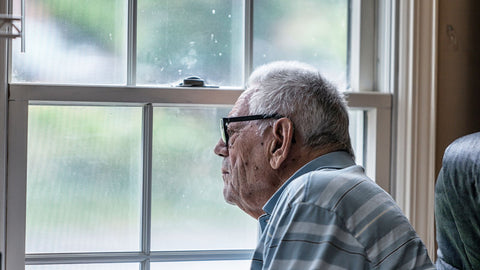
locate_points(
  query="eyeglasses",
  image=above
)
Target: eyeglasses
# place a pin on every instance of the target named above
(226, 120)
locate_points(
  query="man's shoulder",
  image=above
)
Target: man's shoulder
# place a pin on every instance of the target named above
(350, 195)
(347, 199)
(326, 187)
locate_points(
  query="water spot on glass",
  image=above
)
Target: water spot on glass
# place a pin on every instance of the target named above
(264, 56)
(219, 54)
(212, 36)
(110, 36)
(192, 43)
(216, 41)
(229, 15)
(179, 72)
(213, 11)
(190, 59)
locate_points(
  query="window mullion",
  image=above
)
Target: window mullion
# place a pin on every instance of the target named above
(147, 180)
(145, 265)
(16, 185)
(3, 136)
(248, 62)
(84, 258)
(132, 43)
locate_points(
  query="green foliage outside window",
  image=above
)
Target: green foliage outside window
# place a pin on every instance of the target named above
(176, 39)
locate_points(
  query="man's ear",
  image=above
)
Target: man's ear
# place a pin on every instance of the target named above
(280, 146)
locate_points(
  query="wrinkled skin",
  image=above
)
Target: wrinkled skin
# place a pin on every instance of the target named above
(257, 163)
(247, 175)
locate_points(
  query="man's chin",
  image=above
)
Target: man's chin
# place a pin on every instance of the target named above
(228, 198)
(231, 203)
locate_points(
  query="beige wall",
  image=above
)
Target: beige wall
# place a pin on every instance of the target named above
(458, 77)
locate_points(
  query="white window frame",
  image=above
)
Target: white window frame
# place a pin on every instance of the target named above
(400, 152)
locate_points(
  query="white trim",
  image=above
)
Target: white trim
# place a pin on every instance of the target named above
(182, 95)
(362, 48)
(377, 158)
(385, 36)
(415, 149)
(154, 256)
(132, 42)
(3, 138)
(16, 185)
(248, 39)
(177, 95)
(147, 116)
(3, 147)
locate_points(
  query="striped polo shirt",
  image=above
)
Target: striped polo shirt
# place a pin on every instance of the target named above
(330, 215)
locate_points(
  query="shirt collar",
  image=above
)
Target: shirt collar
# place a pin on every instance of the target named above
(333, 160)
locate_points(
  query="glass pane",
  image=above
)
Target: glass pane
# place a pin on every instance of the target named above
(84, 177)
(188, 209)
(72, 41)
(210, 265)
(177, 39)
(312, 31)
(112, 266)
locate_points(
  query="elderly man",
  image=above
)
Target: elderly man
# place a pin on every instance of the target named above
(288, 162)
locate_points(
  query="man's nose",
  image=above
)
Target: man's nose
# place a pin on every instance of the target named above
(221, 148)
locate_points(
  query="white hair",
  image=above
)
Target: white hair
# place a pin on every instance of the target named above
(298, 91)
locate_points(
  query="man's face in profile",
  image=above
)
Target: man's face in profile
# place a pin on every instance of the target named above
(245, 167)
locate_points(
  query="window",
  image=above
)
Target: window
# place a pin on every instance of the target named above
(115, 158)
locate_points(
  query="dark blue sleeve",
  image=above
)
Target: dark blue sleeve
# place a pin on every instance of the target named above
(457, 204)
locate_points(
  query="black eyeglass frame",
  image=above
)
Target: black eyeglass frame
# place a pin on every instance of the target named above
(226, 120)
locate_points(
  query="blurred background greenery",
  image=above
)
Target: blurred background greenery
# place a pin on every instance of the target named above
(84, 182)
(83, 177)
(177, 39)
